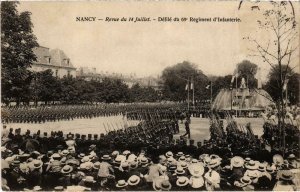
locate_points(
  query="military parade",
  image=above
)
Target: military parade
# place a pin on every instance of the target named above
(151, 120)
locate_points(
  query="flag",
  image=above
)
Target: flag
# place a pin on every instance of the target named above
(207, 87)
(187, 86)
(285, 84)
(192, 86)
(234, 75)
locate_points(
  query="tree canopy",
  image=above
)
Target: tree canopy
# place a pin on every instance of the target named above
(175, 79)
(17, 42)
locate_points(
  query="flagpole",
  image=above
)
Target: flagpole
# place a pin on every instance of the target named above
(188, 100)
(236, 90)
(210, 94)
(193, 93)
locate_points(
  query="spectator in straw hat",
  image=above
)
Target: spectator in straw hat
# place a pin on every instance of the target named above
(65, 179)
(237, 170)
(244, 184)
(285, 182)
(160, 184)
(105, 169)
(135, 183)
(34, 177)
(182, 184)
(89, 182)
(121, 185)
(264, 182)
(196, 180)
(212, 177)
(153, 171)
(252, 171)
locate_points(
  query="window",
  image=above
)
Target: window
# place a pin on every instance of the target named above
(56, 72)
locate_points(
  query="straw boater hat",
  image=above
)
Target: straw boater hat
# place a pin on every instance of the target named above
(291, 157)
(96, 165)
(133, 164)
(202, 156)
(81, 155)
(196, 169)
(89, 179)
(247, 159)
(278, 159)
(134, 180)
(23, 167)
(245, 180)
(180, 171)
(85, 159)
(181, 158)
(169, 154)
(161, 184)
(182, 181)
(37, 188)
(286, 175)
(105, 157)
(237, 161)
(119, 159)
(65, 152)
(56, 156)
(121, 184)
(261, 167)
(67, 169)
(252, 165)
(35, 164)
(115, 153)
(270, 169)
(144, 161)
(179, 154)
(126, 152)
(72, 162)
(59, 188)
(214, 163)
(194, 161)
(170, 159)
(183, 164)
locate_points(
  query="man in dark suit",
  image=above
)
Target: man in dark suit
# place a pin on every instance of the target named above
(187, 129)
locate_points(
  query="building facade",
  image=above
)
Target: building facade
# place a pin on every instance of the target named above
(55, 59)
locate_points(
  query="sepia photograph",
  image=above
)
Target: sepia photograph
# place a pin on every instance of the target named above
(150, 95)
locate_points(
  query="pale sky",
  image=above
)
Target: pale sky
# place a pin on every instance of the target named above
(146, 48)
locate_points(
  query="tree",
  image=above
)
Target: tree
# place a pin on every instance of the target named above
(45, 87)
(143, 94)
(175, 79)
(280, 24)
(17, 42)
(292, 85)
(247, 70)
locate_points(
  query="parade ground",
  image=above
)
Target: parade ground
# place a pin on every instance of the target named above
(199, 126)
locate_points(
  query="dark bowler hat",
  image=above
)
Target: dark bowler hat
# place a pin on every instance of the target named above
(199, 144)
(192, 142)
(95, 136)
(89, 136)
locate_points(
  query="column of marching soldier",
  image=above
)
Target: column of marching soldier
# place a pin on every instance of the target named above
(43, 114)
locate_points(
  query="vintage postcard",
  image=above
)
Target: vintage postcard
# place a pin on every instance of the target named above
(150, 95)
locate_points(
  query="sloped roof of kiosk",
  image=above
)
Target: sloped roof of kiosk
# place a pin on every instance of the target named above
(244, 99)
